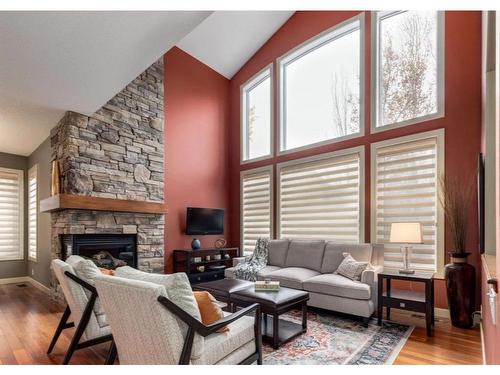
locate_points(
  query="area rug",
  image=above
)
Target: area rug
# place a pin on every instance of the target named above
(332, 339)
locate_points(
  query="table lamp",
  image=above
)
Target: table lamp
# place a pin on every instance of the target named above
(406, 234)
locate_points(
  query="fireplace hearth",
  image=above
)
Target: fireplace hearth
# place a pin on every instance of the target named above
(105, 250)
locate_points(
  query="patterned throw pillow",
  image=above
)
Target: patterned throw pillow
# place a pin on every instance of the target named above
(351, 268)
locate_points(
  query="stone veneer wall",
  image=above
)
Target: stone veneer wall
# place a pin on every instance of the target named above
(116, 153)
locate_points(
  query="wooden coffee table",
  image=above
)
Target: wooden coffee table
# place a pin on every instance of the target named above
(276, 331)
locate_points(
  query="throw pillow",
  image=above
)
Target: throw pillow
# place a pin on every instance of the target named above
(351, 268)
(209, 309)
(105, 271)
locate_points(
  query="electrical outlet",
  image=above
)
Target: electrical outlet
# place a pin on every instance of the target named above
(32, 272)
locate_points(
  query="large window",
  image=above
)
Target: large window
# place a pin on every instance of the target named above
(408, 67)
(256, 96)
(11, 214)
(322, 197)
(405, 174)
(256, 206)
(321, 88)
(32, 212)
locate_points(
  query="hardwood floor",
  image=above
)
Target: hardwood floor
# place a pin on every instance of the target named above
(28, 318)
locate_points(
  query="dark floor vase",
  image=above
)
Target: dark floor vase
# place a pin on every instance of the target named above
(460, 288)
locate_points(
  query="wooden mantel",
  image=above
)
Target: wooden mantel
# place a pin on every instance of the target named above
(81, 202)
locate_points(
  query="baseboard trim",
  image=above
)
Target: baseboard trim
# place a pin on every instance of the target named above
(442, 313)
(14, 280)
(39, 285)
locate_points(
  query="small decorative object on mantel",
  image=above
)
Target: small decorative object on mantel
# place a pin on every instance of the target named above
(195, 244)
(220, 243)
(406, 234)
(56, 179)
(197, 259)
(200, 268)
(456, 195)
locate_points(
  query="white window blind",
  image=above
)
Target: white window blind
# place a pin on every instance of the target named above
(406, 190)
(32, 212)
(321, 198)
(256, 207)
(11, 218)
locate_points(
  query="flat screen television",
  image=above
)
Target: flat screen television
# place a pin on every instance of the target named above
(202, 221)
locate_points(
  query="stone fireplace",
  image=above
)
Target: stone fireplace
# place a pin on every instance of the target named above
(115, 154)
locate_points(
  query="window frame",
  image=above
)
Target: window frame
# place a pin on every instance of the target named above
(375, 76)
(303, 49)
(250, 172)
(348, 151)
(33, 170)
(20, 174)
(252, 82)
(439, 134)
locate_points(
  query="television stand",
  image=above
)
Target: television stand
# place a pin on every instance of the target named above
(185, 260)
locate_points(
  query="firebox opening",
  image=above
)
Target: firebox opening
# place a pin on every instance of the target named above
(105, 250)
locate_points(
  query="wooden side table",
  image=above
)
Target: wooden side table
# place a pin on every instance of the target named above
(407, 300)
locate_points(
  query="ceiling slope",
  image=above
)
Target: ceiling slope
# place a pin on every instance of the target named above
(51, 62)
(226, 40)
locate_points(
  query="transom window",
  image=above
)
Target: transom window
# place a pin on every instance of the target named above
(320, 88)
(408, 67)
(256, 117)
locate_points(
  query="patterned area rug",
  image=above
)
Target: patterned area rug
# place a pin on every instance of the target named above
(335, 340)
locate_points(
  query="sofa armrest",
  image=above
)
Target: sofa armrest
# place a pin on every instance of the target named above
(369, 276)
(238, 260)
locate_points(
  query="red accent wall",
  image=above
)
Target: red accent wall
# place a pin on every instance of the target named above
(196, 136)
(462, 120)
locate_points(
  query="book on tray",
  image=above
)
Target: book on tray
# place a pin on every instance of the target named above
(267, 286)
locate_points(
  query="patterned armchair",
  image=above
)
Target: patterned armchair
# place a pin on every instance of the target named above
(150, 327)
(83, 307)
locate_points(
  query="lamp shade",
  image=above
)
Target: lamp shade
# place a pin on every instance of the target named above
(406, 233)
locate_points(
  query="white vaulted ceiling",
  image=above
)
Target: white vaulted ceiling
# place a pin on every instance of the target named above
(51, 62)
(226, 40)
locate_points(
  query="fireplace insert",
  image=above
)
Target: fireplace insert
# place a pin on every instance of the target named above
(105, 250)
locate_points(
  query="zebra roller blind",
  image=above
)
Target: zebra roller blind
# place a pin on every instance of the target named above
(406, 190)
(32, 212)
(321, 198)
(256, 207)
(11, 220)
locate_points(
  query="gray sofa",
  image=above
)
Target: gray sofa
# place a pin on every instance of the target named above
(310, 264)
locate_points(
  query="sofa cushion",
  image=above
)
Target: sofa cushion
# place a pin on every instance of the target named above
(277, 252)
(305, 254)
(337, 285)
(266, 271)
(333, 254)
(292, 277)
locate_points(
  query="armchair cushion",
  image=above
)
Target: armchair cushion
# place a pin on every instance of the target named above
(218, 346)
(86, 270)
